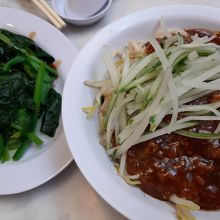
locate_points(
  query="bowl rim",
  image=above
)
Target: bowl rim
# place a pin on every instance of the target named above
(100, 14)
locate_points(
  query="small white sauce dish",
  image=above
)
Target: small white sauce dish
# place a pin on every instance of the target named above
(81, 12)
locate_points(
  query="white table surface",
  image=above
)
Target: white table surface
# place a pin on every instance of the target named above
(68, 196)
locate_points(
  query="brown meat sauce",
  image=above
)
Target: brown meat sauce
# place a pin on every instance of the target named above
(176, 165)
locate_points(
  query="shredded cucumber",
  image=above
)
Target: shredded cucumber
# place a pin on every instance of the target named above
(197, 135)
(150, 87)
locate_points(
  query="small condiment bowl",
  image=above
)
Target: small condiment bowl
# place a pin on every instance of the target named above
(61, 9)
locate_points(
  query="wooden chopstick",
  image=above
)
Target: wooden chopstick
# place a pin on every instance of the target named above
(53, 13)
(50, 13)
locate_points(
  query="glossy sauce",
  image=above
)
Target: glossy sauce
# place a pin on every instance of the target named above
(176, 165)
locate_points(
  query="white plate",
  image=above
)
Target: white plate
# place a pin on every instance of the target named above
(38, 165)
(82, 134)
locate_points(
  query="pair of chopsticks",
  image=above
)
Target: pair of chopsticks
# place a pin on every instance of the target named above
(50, 13)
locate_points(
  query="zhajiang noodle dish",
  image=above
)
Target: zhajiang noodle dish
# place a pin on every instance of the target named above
(159, 116)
